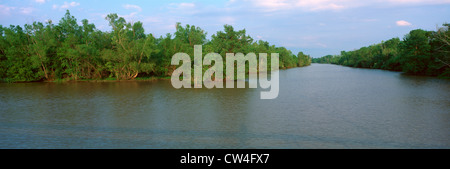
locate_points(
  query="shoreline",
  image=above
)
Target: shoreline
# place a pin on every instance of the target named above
(399, 71)
(152, 78)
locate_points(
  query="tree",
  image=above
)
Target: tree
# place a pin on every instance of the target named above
(421, 53)
(69, 54)
(16, 56)
(415, 52)
(440, 44)
(89, 51)
(3, 57)
(303, 60)
(72, 50)
(230, 41)
(130, 48)
(190, 35)
(41, 46)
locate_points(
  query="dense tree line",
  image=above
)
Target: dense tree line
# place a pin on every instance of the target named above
(69, 51)
(420, 53)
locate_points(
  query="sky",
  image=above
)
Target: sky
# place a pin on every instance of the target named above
(315, 27)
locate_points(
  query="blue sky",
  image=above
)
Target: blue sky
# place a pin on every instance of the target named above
(316, 27)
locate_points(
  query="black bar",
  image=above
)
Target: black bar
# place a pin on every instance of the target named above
(223, 158)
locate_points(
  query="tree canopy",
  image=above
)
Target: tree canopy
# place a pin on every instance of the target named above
(67, 50)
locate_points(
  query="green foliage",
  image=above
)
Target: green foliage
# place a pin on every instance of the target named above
(3, 57)
(419, 53)
(230, 41)
(19, 63)
(69, 51)
(415, 52)
(303, 60)
(440, 52)
(131, 49)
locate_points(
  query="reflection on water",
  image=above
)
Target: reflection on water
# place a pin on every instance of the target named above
(320, 106)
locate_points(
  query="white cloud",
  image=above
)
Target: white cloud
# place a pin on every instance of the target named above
(66, 5)
(272, 5)
(74, 4)
(333, 5)
(182, 5)
(6, 10)
(130, 17)
(27, 10)
(129, 6)
(330, 6)
(183, 8)
(227, 20)
(418, 1)
(308, 5)
(40, 1)
(151, 19)
(309, 38)
(186, 5)
(369, 20)
(321, 45)
(317, 5)
(403, 23)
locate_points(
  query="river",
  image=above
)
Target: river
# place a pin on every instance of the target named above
(319, 106)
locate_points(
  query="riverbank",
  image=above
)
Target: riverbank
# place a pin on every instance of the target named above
(420, 52)
(153, 78)
(404, 73)
(112, 79)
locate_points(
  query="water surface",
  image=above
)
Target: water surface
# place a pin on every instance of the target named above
(320, 106)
